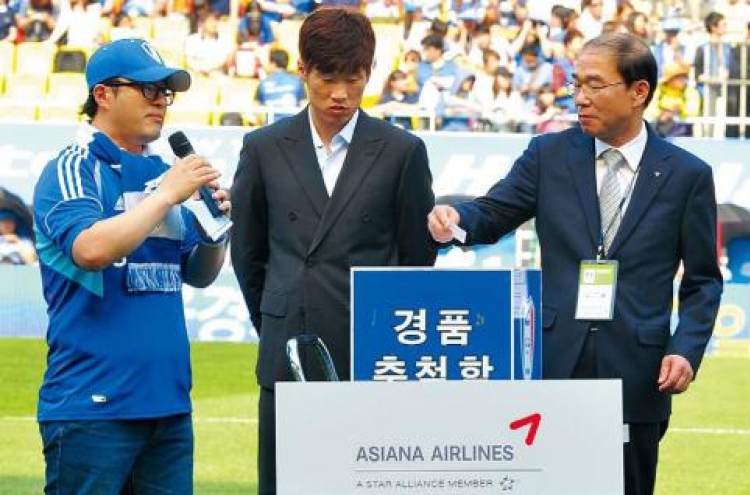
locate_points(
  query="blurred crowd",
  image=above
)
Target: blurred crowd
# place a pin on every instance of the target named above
(489, 65)
(16, 231)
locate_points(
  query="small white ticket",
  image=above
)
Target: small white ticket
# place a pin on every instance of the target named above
(458, 233)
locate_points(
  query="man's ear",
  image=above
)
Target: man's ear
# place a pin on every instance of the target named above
(641, 93)
(101, 94)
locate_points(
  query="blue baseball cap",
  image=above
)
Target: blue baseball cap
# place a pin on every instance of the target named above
(135, 60)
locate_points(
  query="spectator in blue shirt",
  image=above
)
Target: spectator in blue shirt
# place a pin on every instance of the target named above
(280, 89)
(8, 25)
(16, 238)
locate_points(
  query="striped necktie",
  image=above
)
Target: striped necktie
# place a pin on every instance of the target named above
(610, 196)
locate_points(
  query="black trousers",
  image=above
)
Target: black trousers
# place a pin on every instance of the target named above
(641, 453)
(267, 442)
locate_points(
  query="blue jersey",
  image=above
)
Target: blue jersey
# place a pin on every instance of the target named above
(282, 90)
(114, 353)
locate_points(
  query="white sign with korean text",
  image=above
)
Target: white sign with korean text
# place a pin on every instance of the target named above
(450, 437)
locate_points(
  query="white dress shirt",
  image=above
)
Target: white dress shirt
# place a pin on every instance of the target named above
(331, 160)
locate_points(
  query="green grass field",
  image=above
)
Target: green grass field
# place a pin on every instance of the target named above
(706, 451)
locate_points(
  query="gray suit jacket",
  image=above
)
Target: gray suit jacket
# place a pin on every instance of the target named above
(293, 246)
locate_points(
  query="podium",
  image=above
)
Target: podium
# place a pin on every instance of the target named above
(449, 437)
(447, 398)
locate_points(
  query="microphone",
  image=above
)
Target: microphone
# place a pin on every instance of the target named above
(181, 147)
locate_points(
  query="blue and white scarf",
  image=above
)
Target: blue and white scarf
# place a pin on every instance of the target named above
(154, 266)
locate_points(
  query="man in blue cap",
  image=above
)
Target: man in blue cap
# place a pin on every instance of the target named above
(115, 245)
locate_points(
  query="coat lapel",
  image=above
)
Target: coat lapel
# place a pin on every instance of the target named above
(297, 148)
(583, 172)
(653, 172)
(365, 147)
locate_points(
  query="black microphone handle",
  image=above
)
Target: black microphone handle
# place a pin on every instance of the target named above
(181, 147)
(206, 195)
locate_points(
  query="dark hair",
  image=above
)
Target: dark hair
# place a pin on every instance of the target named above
(337, 40)
(504, 72)
(632, 18)
(613, 26)
(572, 34)
(434, 41)
(89, 107)
(463, 91)
(395, 75)
(481, 29)
(279, 58)
(438, 27)
(635, 62)
(558, 11)
(712, 20)
(489, 53)
(564, 14)
(412, 51)
(529, 49)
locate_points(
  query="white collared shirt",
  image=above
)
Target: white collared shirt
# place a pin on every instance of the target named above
(331, 162)
(632, 152)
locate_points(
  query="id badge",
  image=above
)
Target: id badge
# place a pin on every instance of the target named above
(597, 284)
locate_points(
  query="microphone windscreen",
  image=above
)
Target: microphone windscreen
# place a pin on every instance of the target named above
(180, 144)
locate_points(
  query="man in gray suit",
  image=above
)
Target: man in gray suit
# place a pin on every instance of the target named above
(635, 218)
(316, 194)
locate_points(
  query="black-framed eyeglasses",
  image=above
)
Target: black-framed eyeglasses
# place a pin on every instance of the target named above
(573, 88)
(150, 91)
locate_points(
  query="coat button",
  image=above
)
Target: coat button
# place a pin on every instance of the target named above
(292, 215)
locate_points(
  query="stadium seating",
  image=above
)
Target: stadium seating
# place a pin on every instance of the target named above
(144, 26)
(67, 86)
(23, 94)
(170, 27)
(65, 94)
(237, 95)
(25, 87)
(196, 105)
(171, 50)
(169, 35)
(287, 37)
(7, 58)
(387, 53)
(34, 58)
(233, 96)
(69, 59)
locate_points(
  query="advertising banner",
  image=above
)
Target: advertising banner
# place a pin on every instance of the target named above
(218, 313)
(450, 438)
(461, 163)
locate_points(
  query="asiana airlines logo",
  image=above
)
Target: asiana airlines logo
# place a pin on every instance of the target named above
(437, 453)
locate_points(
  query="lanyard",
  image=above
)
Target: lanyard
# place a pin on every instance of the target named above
(600, 253)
